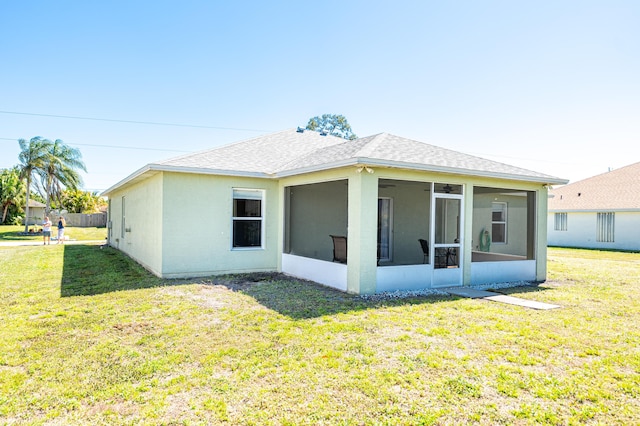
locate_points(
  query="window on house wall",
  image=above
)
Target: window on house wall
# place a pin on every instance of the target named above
(605, 227)
(122, 226)
(560, 222)
(499, 223)
(248, 218)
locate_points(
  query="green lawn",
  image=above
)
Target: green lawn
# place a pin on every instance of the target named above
(89, 337)
(11, 233)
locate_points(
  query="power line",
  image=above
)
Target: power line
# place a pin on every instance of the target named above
(153, 123)
(113, 146)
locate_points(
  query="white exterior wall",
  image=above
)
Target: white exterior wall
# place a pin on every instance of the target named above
(582, 228)
(197, 223)
(180, 225)
(142, 237)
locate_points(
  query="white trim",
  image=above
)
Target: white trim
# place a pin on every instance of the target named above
(152, 168)
(139, 174)
(549, 180)
(262, 218)
(444, 277)
(504, 222)
(590, 210)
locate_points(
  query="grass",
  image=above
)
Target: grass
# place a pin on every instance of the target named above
(10, 233)
(89, 337)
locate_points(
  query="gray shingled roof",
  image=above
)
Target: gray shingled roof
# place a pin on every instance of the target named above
(391, 150)
(264, 154)
(615, 190)
(291, 152)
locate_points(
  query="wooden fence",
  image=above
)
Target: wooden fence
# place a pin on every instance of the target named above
(82, 220)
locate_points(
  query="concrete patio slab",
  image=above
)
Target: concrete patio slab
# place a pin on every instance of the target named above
(473, 293)
(521, 302)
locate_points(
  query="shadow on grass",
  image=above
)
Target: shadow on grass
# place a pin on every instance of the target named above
(90, 269)
(523, 289)
(301, 299)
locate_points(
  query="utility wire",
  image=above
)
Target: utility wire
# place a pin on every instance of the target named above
(154, 123)
(113, 146)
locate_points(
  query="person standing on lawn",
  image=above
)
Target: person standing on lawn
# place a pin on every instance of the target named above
(61, 223)
(46, 231)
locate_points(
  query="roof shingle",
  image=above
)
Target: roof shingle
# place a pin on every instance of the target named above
(615, 190)
(289, 151)
(385, 147)
(264, 154)
(292, 152)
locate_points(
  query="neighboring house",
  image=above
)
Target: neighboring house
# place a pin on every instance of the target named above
(601, 212)
(272, 203)
(36, 212)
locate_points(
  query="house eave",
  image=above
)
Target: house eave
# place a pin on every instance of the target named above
(206, 171)
(133, 177)
(151, 169)
(316, 168)
(373, 162)
(596, 210)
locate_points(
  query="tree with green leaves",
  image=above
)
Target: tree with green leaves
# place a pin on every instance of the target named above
(60, 170)
(32, 159)
(78, 201)
(332, 124)
(12, 192)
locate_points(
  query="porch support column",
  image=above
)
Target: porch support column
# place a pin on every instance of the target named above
(467, 215)
(362, 235)
(541, 233)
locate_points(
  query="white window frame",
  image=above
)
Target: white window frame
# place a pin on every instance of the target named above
(500, 222)
(560, 222)
(261, 218)
(605, 227)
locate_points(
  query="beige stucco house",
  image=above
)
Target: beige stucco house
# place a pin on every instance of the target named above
(601, 212)
(272, 203)
(36, 212)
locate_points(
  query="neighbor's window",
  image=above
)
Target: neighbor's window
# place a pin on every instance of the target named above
(606, 227)
(498, 222)
(248, 217)
(560, 223)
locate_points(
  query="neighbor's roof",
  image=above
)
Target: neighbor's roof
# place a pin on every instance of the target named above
(615, 190)
(292, 152)
(35, 203)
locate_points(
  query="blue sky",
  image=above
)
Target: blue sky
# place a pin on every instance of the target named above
(552, 86)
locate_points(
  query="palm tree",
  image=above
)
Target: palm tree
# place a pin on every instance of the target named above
(60, 170)
(31, 157)
(11, 191)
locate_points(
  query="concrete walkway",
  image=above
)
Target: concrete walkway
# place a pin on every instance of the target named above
(497, 297)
